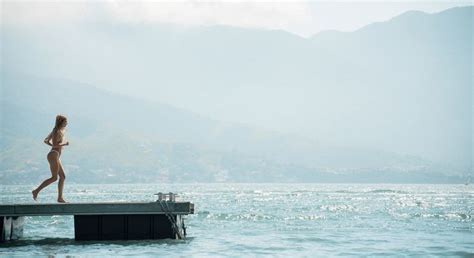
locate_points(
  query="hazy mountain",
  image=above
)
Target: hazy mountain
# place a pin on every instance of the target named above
(395, 95)
(121, 139)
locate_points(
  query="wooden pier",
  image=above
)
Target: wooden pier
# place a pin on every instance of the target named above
(105, 221)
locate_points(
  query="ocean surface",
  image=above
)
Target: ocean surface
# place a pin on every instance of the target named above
(287, 220)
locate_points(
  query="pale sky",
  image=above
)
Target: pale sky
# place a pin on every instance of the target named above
(304, 18)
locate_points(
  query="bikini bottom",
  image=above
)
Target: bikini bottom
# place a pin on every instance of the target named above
(55, 151)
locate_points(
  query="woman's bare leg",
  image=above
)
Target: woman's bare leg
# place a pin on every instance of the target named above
(54, 167)
(62, 177)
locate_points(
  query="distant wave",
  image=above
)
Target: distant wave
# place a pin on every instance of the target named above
(387, 191)
(257, 217)
(446, 216)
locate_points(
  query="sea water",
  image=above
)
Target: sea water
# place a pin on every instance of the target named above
(285, 220)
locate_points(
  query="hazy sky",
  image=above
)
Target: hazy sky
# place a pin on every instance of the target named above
(293, 86)
(304, 18)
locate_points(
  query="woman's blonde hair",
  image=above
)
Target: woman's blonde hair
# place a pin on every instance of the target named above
(56, 132)
(60, 120)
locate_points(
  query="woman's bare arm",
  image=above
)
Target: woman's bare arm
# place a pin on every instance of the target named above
(59, 145)
(48, 143)
(48, 138)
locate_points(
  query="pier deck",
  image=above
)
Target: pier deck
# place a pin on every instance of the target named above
(104, 208)
(105, 220)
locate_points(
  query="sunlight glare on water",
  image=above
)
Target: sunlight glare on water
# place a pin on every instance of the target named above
(272, 219)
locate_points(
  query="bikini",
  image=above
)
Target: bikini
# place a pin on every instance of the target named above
(49, 137)
(55, 151)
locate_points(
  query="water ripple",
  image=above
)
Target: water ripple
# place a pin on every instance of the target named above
(271, 219)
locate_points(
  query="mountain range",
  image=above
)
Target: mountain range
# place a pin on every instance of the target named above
(390, 102)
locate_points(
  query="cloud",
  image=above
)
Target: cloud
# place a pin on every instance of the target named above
(255, 14)
(300, 17)
(42, 12)
(246, 14)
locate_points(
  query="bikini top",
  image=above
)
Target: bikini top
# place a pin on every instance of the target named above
(56, 137)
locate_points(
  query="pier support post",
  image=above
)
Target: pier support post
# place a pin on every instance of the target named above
(11, 227)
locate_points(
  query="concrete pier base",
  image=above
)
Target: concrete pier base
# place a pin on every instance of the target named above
(126, 227)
